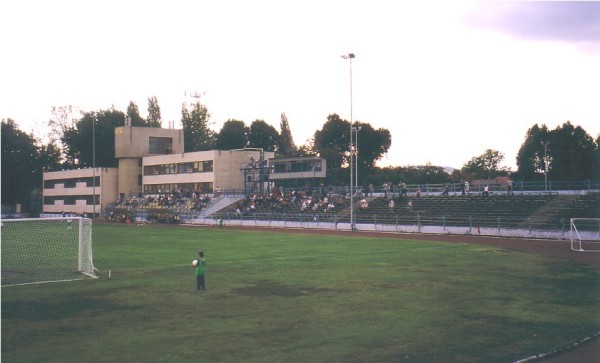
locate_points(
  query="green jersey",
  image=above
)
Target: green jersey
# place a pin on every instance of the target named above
(201, 267)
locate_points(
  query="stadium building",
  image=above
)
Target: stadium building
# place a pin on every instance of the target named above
(152, 161)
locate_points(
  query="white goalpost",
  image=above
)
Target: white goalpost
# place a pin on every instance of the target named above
(585, 234)
(38, 250)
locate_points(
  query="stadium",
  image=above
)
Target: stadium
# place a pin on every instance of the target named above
(297, 274)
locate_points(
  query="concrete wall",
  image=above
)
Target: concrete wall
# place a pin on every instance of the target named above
(134, 142)
(129, 172)
(226, 172)
(106, 190)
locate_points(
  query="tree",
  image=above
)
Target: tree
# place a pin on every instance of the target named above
(133, 113)
(572, 152)
(154, 118)
(332, 143)
(233, 135)
(372, 145)
(78, 139)
(568, 151)
(21, 169)
(530, 158)
(196, 133)
(287, 147)
(485, 166)
(50, 156)
(263, 136)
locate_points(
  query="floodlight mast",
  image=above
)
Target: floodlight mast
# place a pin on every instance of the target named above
(349, 57)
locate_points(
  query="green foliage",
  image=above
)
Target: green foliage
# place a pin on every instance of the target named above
(485, 166)
(21, 166)
(287, 147)
(372, 145)
(264, 136)
(196, 133)
(133, 113)
(427, 174)
(570, 153)
(154, 117)
(233, 135)
(77, 139)
(332, 143)
(285, 297)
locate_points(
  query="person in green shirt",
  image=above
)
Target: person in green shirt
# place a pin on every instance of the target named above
(200, 270)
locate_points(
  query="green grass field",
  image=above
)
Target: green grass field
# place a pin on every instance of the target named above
(275, 297)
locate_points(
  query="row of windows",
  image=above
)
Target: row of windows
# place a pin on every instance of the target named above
(71, 200)
(71, 183)
(297, 166)
(179, 168)
(186, 188)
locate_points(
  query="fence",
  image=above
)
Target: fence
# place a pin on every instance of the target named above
(490, 226)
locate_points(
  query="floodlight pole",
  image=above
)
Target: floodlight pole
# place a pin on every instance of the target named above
(356, 129)
(546, 166)
(349, 57)
(93, 166)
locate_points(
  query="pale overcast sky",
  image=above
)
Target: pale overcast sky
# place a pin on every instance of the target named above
(448, 79)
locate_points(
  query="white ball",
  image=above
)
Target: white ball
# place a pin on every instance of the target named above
(195, 263)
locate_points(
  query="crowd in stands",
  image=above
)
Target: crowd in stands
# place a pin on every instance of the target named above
(195, 201)
(319, 201)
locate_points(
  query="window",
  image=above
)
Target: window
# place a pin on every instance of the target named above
(89, 182)
(160, 145)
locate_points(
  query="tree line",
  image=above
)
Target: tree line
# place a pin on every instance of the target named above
(567, 153)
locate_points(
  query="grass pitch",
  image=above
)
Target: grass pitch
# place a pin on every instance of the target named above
(275, 297)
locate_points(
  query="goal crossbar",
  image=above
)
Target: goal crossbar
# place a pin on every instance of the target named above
(41, 250)
(585, 234)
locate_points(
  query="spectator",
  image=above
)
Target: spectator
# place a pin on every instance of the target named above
(403, 190)
(364, 205)
(445, 191)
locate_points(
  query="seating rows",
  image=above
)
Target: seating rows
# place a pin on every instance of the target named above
(491, 211)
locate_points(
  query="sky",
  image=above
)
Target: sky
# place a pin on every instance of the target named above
(448, 79)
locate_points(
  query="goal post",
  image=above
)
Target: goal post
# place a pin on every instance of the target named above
(585, 234)
(37, 250)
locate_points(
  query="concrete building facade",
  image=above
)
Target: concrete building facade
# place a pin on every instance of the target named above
(73, 191)
(152, 161)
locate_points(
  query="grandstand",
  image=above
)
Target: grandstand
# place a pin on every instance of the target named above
(498, 213)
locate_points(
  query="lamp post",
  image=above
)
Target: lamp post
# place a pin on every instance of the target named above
(93, 166)
(349, 57)
(356, 129)
(545, 143)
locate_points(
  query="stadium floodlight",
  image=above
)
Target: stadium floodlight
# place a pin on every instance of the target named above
(545, 145)
(93, 165)
(349, 57)
(356, 129)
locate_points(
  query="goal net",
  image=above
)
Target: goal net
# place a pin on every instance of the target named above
(585, 234)
(46, 250)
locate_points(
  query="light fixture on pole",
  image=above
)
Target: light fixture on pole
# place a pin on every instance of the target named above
(94, 165)
(545, 143)
(349, 57)
(356, 129)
